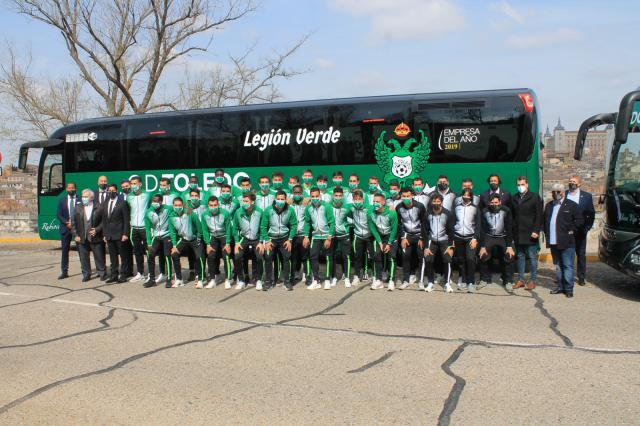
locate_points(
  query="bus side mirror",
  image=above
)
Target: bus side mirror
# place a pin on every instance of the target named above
(22, 158)
(601, 199)
(624, 118)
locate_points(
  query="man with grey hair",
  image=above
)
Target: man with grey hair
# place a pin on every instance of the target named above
(87, 233)
(562, 219)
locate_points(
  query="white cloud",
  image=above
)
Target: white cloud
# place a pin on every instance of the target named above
(405, 19)
(511, 12)
(559, 36)
(325, 63)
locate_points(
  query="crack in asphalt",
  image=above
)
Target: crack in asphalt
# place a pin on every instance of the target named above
(553, 322)
(104, 327)
(451, 403)
(128, 360)
(367, 366)
(117, 365)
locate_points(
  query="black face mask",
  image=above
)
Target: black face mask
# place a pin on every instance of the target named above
(72, 193)
(437, 208)
(494, 209)
(443, 186)
(466, 200)
(113, 195)
(573, 186)
(126, 190)
(102, 186)
(493, 186)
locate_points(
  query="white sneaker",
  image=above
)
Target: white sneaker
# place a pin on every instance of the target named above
(421, 285)
(161, 277)
(404, 285)
(177, 283)
(211, 283)
(138, 277)
(356, 281)
(377, 284)
(447, 288)
(181, 284)
(334, 281)
(437, 279)
(148, 279)
(227, 284)
(327, 285)
(199, 284)
(259, 285)
(429, 288)
(412, 279)
(347, 283)
(240, 285)
(314, 285)
(391, 286)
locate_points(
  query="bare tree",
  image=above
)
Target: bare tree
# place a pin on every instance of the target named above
(122, 47)
(244, 83)
(41, 106)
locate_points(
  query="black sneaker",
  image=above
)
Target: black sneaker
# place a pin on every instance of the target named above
(149, 283)
(63, 275)
(288, 287)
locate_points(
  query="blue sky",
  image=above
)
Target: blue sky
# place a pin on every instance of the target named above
(579, 56)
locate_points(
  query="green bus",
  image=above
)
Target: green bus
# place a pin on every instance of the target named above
(619, 241)
(396, 137)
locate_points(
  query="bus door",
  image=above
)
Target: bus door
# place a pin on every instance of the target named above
(50, 186)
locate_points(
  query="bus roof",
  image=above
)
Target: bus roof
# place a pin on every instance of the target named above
(317, 102)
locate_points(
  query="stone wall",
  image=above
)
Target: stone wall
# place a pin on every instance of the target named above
(18, 202)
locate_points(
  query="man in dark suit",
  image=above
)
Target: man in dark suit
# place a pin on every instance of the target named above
(494, 188)
(87, 232)
(562, 219)
(115, 228)
(585, 203)
(100, 195)
(527, 224)
(66, 208)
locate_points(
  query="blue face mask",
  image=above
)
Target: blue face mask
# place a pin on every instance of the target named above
(85, 201)
(280, 203)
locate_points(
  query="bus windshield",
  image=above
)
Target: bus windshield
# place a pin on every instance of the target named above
(624, 208)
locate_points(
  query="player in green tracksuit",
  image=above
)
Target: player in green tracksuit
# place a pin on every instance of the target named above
(246, 233)
(264, 196)
(341, 240)
(374, 188)
(185, 234)
(156, 221)
(277, 183)
(383, 224)
(216, 233)
(362, 244)
(167, 193)
(301, 269)
(195, 204)
(318, 219)
(138, 201)
(278, 227)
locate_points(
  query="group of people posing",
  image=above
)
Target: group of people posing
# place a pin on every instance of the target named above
(284, 232)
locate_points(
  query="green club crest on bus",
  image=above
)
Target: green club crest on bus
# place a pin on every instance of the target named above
(402, 160)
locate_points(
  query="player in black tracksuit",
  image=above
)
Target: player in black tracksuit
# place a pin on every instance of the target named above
(413, 231)
(440, 241)
(496, 239)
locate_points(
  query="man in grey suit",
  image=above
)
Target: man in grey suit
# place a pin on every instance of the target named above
(87, 232)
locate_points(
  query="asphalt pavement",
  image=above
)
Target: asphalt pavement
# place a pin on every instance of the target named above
(96, 353)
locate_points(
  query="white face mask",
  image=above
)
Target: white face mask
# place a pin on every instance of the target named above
(522, 189)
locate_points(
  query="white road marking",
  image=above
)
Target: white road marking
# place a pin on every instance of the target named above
(73, 302)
